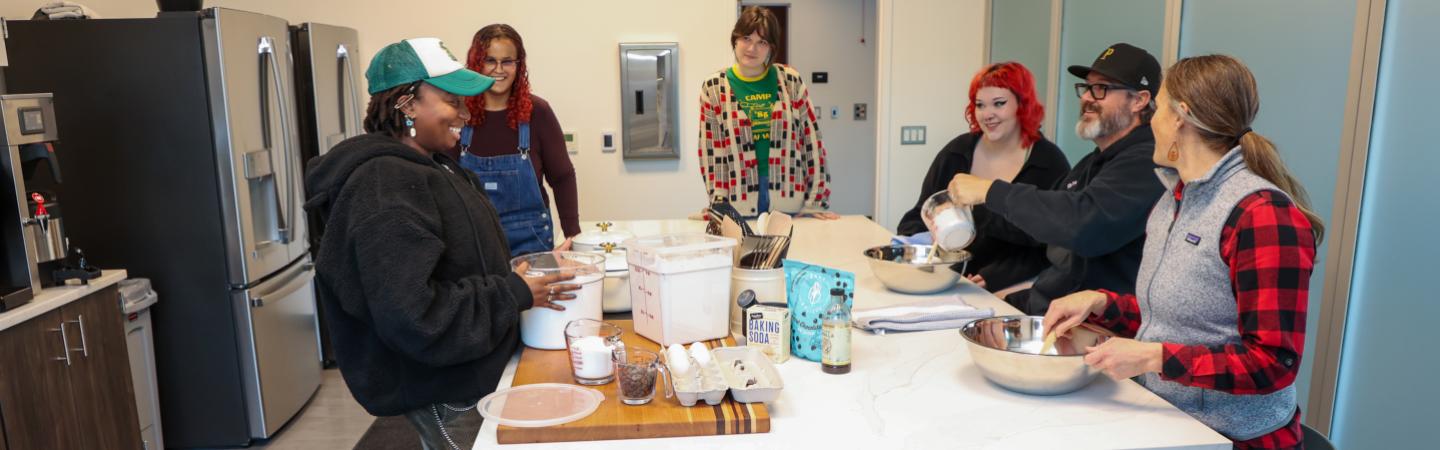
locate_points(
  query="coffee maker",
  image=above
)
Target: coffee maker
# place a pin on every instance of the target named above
(33, 234)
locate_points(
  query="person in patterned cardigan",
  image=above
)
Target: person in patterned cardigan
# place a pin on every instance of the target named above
(760, 146)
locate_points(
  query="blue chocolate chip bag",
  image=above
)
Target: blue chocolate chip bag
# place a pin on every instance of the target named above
(807, 289)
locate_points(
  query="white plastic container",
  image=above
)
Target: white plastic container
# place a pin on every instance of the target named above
(680, 286)
(951, 225)
(544, 328)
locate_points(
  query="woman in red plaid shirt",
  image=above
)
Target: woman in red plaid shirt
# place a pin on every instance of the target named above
(1218, 317)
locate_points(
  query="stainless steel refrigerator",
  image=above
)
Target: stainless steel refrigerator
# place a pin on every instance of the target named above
(327, 85)
(184, 167)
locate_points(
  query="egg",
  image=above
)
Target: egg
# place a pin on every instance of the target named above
(679, 360)
(700, 353)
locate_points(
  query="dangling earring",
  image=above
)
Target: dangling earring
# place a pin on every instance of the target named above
(1173, 154)
(410, 123)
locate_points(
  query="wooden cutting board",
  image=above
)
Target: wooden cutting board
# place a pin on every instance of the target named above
(662, 417)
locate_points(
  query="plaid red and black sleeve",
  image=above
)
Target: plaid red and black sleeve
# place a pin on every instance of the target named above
(1270, 248)
(1121, 315)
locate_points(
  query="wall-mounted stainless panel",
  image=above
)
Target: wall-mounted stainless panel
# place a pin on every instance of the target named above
(649, 101)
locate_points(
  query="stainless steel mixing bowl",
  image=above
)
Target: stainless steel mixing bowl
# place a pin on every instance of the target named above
(909, 269)
(1007, 351)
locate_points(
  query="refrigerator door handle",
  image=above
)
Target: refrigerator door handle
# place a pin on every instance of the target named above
(285, 206)
(348, 79)
(297, 281)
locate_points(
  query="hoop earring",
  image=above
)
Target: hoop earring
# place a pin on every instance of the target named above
(1172, 155)
(410, 123)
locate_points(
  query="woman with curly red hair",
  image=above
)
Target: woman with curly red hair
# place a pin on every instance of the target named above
(513, 141)
(1004, 143)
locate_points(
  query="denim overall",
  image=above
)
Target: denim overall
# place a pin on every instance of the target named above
(509, 181)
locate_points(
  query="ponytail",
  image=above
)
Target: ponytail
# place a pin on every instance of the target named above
(1223, 101)
(1262, 159)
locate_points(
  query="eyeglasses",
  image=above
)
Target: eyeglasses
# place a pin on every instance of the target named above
(1097, 90)
(491, 64)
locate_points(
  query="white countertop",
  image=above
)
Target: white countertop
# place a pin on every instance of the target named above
(917, 390)
(55, 297)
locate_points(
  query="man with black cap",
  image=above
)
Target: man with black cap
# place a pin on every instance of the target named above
(1093, 221)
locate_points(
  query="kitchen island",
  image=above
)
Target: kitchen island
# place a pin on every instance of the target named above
(916, 390)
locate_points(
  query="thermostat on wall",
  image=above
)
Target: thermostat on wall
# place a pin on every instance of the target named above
(572, 145)
(607, 141)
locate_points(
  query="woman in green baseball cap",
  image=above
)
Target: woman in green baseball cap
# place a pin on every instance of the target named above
(410, 255)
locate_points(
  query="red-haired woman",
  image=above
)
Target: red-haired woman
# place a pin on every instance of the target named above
(513, 141)
(1004, 143)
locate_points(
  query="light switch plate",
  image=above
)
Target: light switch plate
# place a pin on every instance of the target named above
(912, 135)
(572, 144)
(834, 113)
(607, 141)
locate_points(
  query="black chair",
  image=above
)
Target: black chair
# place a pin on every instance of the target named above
(1314, 440)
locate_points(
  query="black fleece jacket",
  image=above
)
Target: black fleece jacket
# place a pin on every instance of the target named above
(1093, 222)
(1003, 255)
(413, 271)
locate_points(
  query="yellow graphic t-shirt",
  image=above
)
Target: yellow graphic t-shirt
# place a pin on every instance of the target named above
(756, 96)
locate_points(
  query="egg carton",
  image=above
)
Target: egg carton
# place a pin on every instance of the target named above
(750, 375)
(694, 381)
(745, 372)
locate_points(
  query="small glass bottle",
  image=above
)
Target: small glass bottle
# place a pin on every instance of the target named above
(835, 332)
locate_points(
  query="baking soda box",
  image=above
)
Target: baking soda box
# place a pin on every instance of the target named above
(768, 327)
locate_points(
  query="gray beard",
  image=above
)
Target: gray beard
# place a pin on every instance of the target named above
(1087, 130)
(1106, 125)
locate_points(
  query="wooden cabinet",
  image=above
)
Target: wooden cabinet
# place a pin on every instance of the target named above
(66, 379)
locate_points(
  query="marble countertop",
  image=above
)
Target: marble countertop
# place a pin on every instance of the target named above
(55, 297)
(917, 390)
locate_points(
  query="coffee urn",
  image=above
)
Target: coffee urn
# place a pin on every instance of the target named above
(33, 237)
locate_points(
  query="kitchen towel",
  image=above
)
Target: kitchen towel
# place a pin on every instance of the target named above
(66, 10)
(921, 238)
(938, 314)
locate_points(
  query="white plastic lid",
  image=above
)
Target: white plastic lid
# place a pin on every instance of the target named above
(668, 244)
(540, 405)
(572, 263)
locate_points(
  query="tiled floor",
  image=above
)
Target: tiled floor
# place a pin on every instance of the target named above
(332, 420)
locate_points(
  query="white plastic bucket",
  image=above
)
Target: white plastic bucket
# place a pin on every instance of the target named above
(544, 328)
(679, 286)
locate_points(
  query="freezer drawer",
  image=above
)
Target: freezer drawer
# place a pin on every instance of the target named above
(280, 350)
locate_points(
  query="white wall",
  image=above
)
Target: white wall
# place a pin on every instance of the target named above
(572, 47)
(929, 50)
(825, 36)
(922, 52)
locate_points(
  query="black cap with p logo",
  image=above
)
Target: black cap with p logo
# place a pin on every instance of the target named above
(1128, 64)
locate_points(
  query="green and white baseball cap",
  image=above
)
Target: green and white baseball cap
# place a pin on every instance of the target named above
(423, 59)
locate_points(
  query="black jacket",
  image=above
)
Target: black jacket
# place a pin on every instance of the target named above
(1003, 255)
(1093, 222)
(413, 271)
